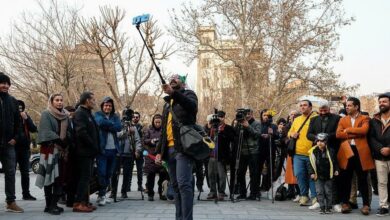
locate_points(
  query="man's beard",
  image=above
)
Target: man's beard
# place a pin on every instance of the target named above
(384, 109)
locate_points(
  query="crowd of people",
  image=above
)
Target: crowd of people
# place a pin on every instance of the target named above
(327, 157)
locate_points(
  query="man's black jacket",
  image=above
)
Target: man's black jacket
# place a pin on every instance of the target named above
(26, 126)
(316, 127)
(9, 118)
(225, 139)
(185, 107)
(379, 137)
(86, 133)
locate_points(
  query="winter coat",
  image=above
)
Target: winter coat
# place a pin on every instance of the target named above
(316, 127)
(322, 163)
(128, 144)
(86, 133)
(9, 118)
(185, 107)
(379, 137)
(345, 132)
(250, 143)
(225, 139)
(150, 134)
(26, 126)
(112, 125)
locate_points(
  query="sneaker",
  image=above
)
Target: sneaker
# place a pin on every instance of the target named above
(322, 211)
(314, 206)
(304, 201)
(382, 212)
(12, 207)
(297, 198)
(29, 197)
(337, 208)
(329, 210)
(164, 187)
(101, 201)
(108, 200)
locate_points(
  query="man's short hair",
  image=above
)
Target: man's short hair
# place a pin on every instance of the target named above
(308, 102)
(324, 104)
(355, 101)
(84, 97)
(137, 113)
(221, 113)
(384, 95)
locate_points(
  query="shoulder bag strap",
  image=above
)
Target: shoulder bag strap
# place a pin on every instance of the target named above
(303, 124)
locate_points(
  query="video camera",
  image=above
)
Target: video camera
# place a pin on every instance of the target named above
(215, 121)
(127, 115)
(241, 114)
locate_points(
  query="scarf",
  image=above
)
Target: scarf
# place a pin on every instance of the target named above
(62, 116)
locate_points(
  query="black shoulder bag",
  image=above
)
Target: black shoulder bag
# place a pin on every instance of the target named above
(292, 144)
(193, 139)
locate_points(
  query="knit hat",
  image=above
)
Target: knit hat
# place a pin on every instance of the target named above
(4, 78)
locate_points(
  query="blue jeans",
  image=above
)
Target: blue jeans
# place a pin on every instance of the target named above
(8, 160)
(105, 166)
(180, 172)
(301, 172)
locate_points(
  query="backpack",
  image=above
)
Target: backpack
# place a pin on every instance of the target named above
(281, 193)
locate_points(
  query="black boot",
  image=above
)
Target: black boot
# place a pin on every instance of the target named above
(47, 200)
(54, 209)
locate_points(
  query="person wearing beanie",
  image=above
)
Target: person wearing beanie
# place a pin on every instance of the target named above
(9, 127)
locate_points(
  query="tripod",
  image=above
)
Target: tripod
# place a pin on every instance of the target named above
(239, 146)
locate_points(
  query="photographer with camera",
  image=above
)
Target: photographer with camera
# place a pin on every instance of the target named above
(139, 159)
(248, 153)
(129, 144)
(223, 136)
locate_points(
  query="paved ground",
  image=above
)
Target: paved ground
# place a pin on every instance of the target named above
(157, 209)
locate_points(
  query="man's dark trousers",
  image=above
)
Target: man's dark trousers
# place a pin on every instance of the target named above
(7, 158)
(180, 172)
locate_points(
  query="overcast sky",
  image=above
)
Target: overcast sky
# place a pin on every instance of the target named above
(364, 45)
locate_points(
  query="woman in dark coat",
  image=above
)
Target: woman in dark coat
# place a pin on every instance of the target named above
(150, 139)
(53, 135)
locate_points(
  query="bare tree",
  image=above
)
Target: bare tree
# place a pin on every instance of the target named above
(134, 68)
(39, 54)
(276, 50)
